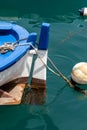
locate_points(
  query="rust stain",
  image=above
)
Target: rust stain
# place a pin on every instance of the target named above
(38, 83)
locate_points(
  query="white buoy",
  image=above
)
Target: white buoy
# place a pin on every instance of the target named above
(79, 73)
(83, 11)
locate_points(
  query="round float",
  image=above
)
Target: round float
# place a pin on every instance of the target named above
(79, 73)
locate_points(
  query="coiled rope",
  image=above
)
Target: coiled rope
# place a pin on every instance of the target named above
(11, 46)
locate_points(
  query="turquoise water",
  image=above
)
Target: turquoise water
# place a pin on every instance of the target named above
(64, 108)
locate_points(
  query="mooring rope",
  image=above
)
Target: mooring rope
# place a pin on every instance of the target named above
(43, 61)
(67, 80)
(59, 73)
(8, 46)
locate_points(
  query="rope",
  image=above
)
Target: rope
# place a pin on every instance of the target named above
(11, 46)
(70, 83)
(8, 46)
(59, 73)
(43, 61)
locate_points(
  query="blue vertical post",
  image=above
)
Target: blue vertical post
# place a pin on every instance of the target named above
(44, 37)
(32, 38)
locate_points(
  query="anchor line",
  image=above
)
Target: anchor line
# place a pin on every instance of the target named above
(59, 73)
(7, 47)
(66, 79)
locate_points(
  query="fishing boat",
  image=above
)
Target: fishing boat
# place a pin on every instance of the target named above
(18, 48)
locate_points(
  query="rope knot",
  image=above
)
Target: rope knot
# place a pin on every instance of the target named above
(8, 46)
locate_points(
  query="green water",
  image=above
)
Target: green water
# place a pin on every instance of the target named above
(64, 108)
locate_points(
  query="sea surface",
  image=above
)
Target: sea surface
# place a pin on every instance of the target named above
(64, 108)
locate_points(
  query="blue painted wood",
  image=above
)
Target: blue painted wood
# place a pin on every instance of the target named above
(10, 32)
(13, 33)
(44, 37)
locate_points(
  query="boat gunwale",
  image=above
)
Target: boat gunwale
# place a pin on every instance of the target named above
(19, 51)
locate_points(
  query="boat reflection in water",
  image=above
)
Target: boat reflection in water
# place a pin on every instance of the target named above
(34, 96)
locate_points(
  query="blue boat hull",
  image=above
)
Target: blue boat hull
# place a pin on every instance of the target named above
(16, 65)
(11, 33)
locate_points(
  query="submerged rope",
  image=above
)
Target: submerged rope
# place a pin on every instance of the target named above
(70, 83)
(69, 36)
